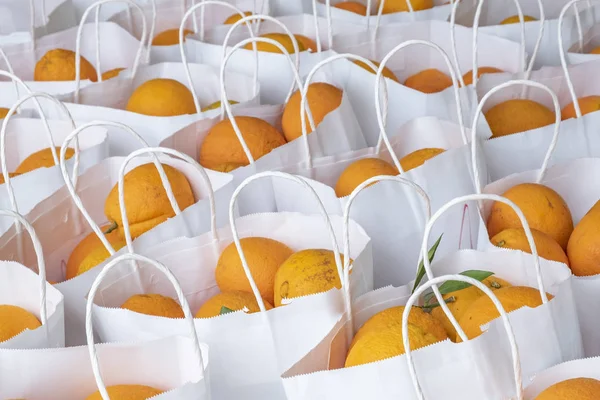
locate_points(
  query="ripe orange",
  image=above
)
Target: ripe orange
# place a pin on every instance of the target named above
(515, 19)
(161, 98)
(59, 65)
(41, 159)
(169, 37)
(352, 6)
(418, 158)
(3, 112)
(306, 42)
(127, 392)
(595, 50)
(14, 320)
(386, 71)
(392, 6)
(234, 300)
(154, 304)
(233, 18)
(111, 73)
(547, 247)
(575, 389)
(468, 77)
(359, 171)
(282, 38)
(429, 81)
(587, 105)
(583, 248)
(517, 115)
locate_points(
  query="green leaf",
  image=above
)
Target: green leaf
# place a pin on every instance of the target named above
(225, 310)
(421, 269)
(453, 286)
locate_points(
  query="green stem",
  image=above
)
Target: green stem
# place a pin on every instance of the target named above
(111, 228)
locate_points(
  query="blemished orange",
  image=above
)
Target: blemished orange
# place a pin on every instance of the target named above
(10, 175)
(418, 157)
(283, 38)
(161, 98)
(583, 248)
(14, 320)
(381, 336)
(41, 159)
(430, 80)
(306, 42)
(235, 17)
(146, 199)
(359, 171)
(352, 6)
(547, 247)
(169, 37)
(392, 6)
(113, 73)
(264, 257)
(306, 272)
(91, 252)
(518, 115)
(217, 104)
(572, 389)
(154, 304)
(460, 300)
(59, 65)
(127, 392)
(515, 19)
(234, 300)
(595, 50)
(483, 311)
(386, 71)
(3, 112)
(221, 148)
(322, 98)
(587, 105)
(544, 209)
(468, 77)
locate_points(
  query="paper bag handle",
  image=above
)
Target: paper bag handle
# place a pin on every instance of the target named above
(460, 200)
(305, 107)
(561, 51)
(168, 189)
(225, 106)
(9, 115)
(138, 55)
(514, 349)
(239, 11)
(184, 59)
(480, 110)
(32, 19)
(455, 87)
(89, 329)
(39, 251)
(355, 192)
(71, 187)
(322, 210)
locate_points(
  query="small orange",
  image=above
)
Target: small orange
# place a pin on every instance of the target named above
(41, 159)
(418, 158)
(161, 97)
(514, 238)
(517, 115)
(111, 73)
(3, 112)
(515, 20)
(306, 42)
(352, 6)
(283, 38)
(595, 50)
(233, 18)
(169, 37)
(575, 389)
(584, 244)
(59, 65)
(14, 320)
(154, 304)
(386, 71)
(587, 105)
(359, 171)
(468, 77)
(429, 81)
(393, 6)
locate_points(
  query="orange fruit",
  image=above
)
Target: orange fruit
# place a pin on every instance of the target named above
(576, 388)
(322, 98)
(583, 248)
(154, 304)
(418, 158)
(282, 38)
(222, 150)
(352, 6)
(544, 209)
(547, 247)
(515, 19)
(386, 71)
(127, 392)
(161, 98)
(306, 42)
(306, 272)
(517, 115)
(146, 199)
(483, 311)
(429, 81)
(264, 256)
(595, 50)
(169, 37)
(392, 6)
(59, 65)
(3, 112)
(235, 17)
(381, 336)
(14, 320)
(216, 105)
(587, 105)
(41, 159)
(111, 73)
(460, 300)
(91, 252)
(10, 174)
(234, 300)
(468, 77)
(359, 171)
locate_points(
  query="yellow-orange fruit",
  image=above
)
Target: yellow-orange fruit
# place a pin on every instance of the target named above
(221, 148)
(572, 389)
(282, 38)
(217, 104)
(154, 304)
(587, 105)
(322, 98)
(59, 65)
(3, 112)
(352, 6)
(161, 98)
(14, 320)
(418, 158)
(468, 77)
(234, 300)
(264, 256)
(169, 37)
(515, 19)
(306, 42)
(112, 73)
(547, 247)
(583, 248)
(235, 17)
(595, 50)
(429, 81)
(517, 115)
(359, 171)
(392, 6)
(544, 209)
(41, 159)
(127, 392)
(386, 71)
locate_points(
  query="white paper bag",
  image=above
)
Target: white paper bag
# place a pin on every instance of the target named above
(248, 351)
(22, 287)
(584, 368)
